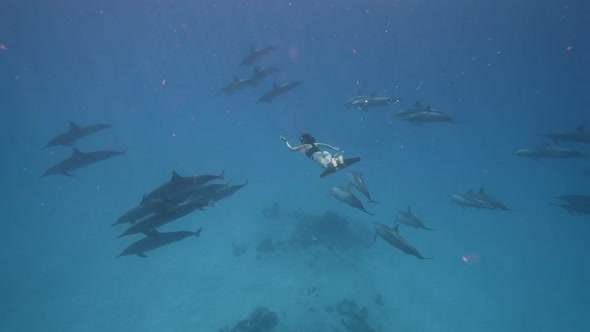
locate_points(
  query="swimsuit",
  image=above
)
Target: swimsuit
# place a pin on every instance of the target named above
(312, 151)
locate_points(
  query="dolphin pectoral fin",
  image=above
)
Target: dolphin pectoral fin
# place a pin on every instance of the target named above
(198, 232)
(142, 255)
(372, 201)
(67, 174)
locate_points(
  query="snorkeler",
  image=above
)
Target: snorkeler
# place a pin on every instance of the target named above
(311, 148)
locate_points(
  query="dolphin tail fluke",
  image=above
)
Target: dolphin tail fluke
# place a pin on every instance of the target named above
(119, 256)
(430, 229)
(369, 213)
(427, 258)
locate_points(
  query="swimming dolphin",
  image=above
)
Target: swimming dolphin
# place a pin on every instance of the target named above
(238, 84)
(417, 108)
(549, 151)
(201, 192)
(256, 54)
(75, 133)
(363, 103)
(78, 160)
(478, 200)
(179, 183)
(345, 196)
(349, 103)
(278, 90)
(154, 240)
(260, 74)
(222, 193)
(579, 200)
(160, 218)
(145, 208)
(428, 115)
(410, 219)
(579, 135)
(391, 236)
(357, 181)
(572, 208)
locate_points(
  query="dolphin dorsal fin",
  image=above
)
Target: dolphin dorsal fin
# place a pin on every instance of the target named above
(74, 126)
(256, 70)
(75, 152)
(470, 191)
(581, 129)
(417, 104)
(275, 85)
(428, 109)
(482, 191)
(396, 228)
(144, 200)
(409, 209)
(358, 92)
(236, 79)
(374, 94)
(175, 177)
(252, 49)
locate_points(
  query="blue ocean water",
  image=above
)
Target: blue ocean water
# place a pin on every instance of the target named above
(507, 71)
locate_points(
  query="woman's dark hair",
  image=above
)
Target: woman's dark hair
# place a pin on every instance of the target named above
(306, 139)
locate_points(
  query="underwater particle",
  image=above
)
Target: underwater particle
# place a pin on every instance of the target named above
(3, 47)
(163, 82)
(569, 48)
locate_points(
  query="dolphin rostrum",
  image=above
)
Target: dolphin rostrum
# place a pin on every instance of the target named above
(78, 160)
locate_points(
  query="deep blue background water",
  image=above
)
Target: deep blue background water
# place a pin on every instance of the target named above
(506, 70)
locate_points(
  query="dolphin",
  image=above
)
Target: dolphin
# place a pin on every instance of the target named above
(195, 193)
(579, 200)
(238, 84)
(479, 200)
(579, 135)
(350, 102)
(468, 200)
(179, 183)
(78, 160)
(410, 219)
(256, 54)
(417, 108)
(357, 181)
(278, 90)
(550, 151)
(75, 133)
(145, 208)
(345, 196)
(391, 236)
(573, 209)
(363, 102)
(154, 240)
(428, 115)
(160, 218)
(222, 193)
(260, 74)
